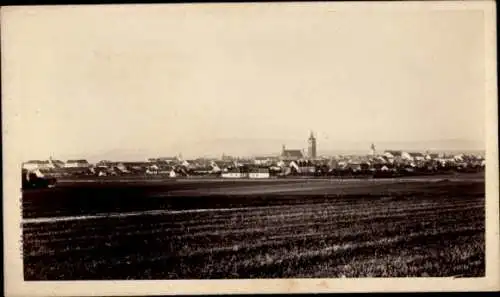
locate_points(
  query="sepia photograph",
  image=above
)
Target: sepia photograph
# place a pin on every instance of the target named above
(299, 142)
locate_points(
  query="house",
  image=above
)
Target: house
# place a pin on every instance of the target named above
(342, 164)
(281, 164)
(215, 167)
(106, 164)
(37, 164)
(409, 156)
(302, 167)
(121, 167)
(168, 160)
(152, 170)
(259, 173)
(262, 161)
(102, 173)
(384, 168)
(202, 170)
(380, 160)
(56, 163)
(354, 166)
(390, 154)
(431, 156)
(137, 167)
(418, 156)
(76, 171)
(77, 164)
(234, 173)
(291, 154)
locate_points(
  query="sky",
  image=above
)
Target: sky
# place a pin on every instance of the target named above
(141, 81)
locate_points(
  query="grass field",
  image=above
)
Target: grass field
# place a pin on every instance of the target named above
(254, 229)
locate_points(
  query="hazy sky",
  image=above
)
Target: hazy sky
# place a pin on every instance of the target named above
(166, 79)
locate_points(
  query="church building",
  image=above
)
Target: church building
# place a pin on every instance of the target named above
(294, 155)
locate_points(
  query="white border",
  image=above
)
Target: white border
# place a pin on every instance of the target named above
(15, 286)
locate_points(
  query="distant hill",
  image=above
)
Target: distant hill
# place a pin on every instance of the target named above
(448, 145)
(252, 147)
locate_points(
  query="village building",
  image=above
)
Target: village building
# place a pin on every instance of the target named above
(391, 155)
(410, 156)
(234, 173)
(56, 163)
(259, 173)
(262, 161)
(287, 154)
(168, 160)
(77, 164)
(37, 164)
(302, 167)
(431, 156)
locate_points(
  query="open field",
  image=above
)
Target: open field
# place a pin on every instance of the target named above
(249, 229)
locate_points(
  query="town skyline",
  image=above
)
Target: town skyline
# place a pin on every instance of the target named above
(362, 148)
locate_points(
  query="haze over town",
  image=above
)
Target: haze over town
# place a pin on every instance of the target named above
(140, 82)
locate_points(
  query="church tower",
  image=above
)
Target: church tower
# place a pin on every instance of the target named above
(372, 150)
(312, 146)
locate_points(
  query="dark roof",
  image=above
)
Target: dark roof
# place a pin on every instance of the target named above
(163, 159)
(416, 154)
(74, 169)
(259, 170)
(202, 168)
(292, 154)
(135, 163)
(37, 162)
(77, 161)
(394, 153)
(262, 158)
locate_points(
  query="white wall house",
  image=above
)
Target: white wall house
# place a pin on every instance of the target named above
(233, 174)
(260, 161)
(407, 156)
(388, 155)
(122, 168)
(76, 164)
(259, 173)
(37, 164)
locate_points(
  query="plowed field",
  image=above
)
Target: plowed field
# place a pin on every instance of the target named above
(258, 229)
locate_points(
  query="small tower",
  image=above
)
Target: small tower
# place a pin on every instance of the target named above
(312, 146)
(372, 149)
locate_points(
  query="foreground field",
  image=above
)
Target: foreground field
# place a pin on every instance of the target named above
(216, 229)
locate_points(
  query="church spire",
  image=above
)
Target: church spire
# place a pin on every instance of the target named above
(312, 146)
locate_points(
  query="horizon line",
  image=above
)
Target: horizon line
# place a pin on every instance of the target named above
(324, 153)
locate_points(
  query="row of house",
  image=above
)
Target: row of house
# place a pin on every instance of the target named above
(262, 167)
(55, 164)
